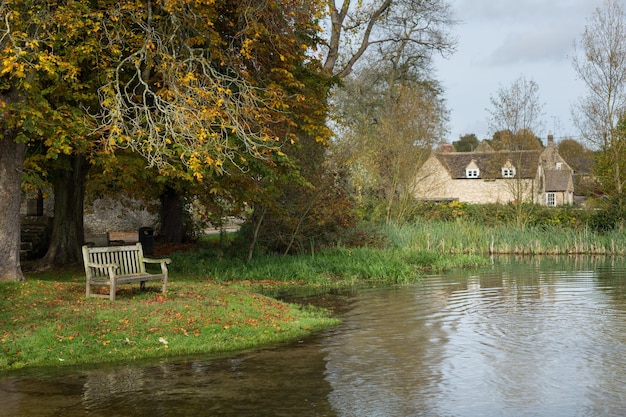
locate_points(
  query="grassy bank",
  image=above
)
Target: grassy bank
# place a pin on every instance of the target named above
(220, 304)
(47, 323)
(212, 305)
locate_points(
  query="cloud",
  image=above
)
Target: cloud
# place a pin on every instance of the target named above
(533, 46)
(499, 40)
(516, 10)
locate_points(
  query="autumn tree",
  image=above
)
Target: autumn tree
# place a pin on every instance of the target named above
(49, 51)
(385, 135)
(524, 141)
(406, 33)
(577, 155)
(581, 160)
(388, 110)
(600, 61)
(516, 113)
(205, 89)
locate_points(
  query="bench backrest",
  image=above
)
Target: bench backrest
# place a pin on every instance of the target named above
(128, 258)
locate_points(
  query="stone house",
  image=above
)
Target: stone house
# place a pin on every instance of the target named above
(487, 176)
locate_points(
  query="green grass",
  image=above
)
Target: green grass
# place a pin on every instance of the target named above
(213, 305)
(336, 268)
(47, 323)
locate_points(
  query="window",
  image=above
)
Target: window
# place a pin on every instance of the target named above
(508, 172)
(471, 172)
(551, 199)
(559, 165)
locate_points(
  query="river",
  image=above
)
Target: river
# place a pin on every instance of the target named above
(522, 337)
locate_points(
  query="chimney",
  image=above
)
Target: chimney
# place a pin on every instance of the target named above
(550, 140)
(447, 148)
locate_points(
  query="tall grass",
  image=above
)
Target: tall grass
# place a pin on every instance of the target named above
(464, 236)
(334, 268)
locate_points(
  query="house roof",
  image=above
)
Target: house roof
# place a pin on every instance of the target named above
(484, 146)
(558, 180)
(490, 164)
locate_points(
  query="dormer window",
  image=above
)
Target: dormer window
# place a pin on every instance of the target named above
(472, 172)
(508, 172)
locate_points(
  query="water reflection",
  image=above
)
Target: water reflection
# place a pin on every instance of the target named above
(523, 337)
(540, 338)
(275, 382)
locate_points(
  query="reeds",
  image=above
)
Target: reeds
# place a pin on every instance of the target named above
(462, 236)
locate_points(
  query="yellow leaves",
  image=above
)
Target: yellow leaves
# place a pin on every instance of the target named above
(246, 48)
(196, 166)
(9, 65)
(32, 44)
(189, 78)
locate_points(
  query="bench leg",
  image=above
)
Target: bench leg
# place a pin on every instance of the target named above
(112, 290)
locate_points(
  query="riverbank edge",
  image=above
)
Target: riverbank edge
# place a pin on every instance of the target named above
(59, 327)
(47, 321)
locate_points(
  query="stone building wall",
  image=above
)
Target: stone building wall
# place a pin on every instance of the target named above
(122, 215)
(435, 184)
(103, 216)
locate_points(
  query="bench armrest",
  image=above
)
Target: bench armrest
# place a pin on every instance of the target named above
(157, 261)
(163, 262)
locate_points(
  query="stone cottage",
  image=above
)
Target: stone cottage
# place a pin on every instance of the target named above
(487, 176)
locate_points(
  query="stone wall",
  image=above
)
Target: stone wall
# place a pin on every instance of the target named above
(103, 216)
(122, 215)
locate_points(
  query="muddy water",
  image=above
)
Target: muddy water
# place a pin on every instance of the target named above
(519, 338)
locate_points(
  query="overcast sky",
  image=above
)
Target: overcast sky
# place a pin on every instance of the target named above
(501, 40)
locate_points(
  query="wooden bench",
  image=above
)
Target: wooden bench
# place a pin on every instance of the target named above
(115, 265)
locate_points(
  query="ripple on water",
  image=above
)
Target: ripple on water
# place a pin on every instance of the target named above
(532, 342)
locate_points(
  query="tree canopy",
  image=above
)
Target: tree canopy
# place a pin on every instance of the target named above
(600, 61)
(226, 103)
(466, 143)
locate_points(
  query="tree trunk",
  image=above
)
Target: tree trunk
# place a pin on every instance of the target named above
(68, 231)
(171, 216)
(12, 156)
(257, 220)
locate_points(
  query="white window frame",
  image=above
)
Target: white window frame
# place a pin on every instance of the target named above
(559, 166)
(551, 199)
(508, 172)
(472, 172)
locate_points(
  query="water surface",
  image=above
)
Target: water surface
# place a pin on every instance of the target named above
(540, 337)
